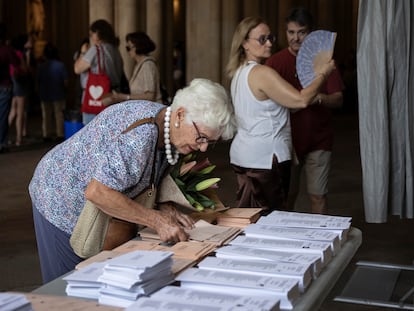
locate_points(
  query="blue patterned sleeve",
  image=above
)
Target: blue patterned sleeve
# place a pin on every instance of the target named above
(126, 163)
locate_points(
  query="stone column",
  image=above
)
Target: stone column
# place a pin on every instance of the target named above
(251, 8)
(326, 14)
(101, 9)
(231, 15)
(283, 11)
(154, 25)
(203, 40)
(126, 15)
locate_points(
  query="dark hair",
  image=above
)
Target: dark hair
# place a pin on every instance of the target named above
(84, 41)
(142, 42)
(50, 51)
(301, 16)
(104, 30)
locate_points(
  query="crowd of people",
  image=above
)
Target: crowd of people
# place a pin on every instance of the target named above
(45, 80)
(276, 128)
(25, 81)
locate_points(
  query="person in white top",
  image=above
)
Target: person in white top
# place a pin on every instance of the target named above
(260, 153)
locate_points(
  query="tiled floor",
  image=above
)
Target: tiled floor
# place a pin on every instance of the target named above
(392, 242)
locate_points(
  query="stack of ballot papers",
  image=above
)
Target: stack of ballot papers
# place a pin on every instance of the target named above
(306, 247)
(284, 270)
(14, 301)
(134, 274)
(220, 282)
(265, 231)
(84, 283)
(120, 280)
(179, 298)
(249, 253)
(238, 217)
(337, 224)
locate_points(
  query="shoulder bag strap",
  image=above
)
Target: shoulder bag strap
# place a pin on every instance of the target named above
(136, 124)
(99, 50)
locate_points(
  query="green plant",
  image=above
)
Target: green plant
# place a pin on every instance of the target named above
(194, 178)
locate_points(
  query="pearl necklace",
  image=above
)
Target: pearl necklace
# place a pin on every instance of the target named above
(172, 160)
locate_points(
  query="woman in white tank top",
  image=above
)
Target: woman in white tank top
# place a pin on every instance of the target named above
(261, 150)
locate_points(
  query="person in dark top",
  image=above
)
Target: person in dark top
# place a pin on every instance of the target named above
(7, 57)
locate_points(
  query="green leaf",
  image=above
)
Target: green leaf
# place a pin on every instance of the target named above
(189, 198)
(179, 182)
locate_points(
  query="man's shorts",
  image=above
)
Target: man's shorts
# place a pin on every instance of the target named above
(317, 165)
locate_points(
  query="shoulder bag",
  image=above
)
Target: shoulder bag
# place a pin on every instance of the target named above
(96, 231)
(97, 85)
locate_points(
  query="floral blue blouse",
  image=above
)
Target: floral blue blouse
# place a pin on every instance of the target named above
(101, 151)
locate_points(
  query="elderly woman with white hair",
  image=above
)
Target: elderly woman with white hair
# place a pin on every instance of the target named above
(110, 161)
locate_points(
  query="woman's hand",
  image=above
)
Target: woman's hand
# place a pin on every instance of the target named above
(108, 99)
(168, 222)
(182, 218)
(171, 223)
(114, 98)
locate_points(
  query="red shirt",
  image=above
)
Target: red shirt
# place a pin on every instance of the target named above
(311, 127)
(7, 57)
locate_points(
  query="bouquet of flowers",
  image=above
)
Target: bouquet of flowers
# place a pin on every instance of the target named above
(195, 183)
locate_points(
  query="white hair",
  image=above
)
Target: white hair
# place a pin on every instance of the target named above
(209, 103)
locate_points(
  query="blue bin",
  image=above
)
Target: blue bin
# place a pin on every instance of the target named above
(71, 127)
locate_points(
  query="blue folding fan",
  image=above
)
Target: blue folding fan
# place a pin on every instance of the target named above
(317, 48)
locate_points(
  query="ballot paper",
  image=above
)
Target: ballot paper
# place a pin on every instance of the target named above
(134, 274)
(250, 253)
(244, 284)
(120, 297)
(307, 247)
(299, 234)
(158, 304)
(130, 268)
(84, 283)
(337, 224)
(14, 301)
(299, 273)
(224, 300)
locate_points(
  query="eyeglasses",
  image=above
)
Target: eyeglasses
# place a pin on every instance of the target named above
(263, 39)
(129, 48)
(202, 139)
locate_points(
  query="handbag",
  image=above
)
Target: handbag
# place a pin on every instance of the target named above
(96, 231)
(97, 85)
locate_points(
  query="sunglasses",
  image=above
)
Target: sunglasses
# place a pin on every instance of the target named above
(263, 39)
(129, 48)
(202, 139)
